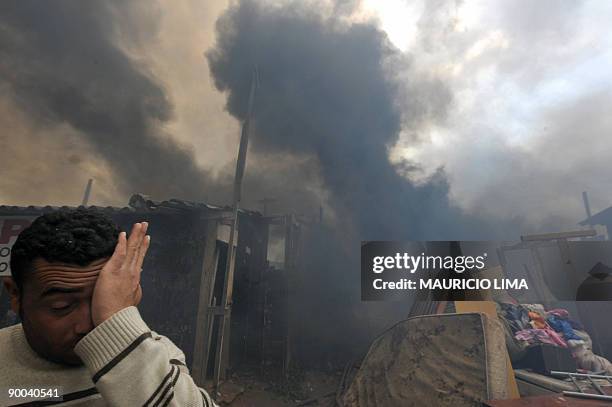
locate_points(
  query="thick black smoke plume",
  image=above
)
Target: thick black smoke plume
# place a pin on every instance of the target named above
(331, 91)
(60, 61)
(328, 90)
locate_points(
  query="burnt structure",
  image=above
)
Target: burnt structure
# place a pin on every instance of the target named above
(183, 280)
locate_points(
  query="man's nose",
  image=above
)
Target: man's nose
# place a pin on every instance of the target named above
(83, 323)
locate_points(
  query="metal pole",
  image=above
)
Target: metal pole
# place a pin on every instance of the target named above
(587, 395)
(229, 263)
(587, 206)
(580, 393)
(567, 374)
(87, 192)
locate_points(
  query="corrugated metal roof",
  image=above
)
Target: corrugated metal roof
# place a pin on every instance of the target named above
(137, 202)
(140, 201)
(49, 208)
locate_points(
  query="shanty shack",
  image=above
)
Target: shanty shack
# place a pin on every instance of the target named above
(183, 277)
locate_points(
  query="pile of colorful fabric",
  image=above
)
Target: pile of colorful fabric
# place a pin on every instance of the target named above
(531, 325)
(559, 320)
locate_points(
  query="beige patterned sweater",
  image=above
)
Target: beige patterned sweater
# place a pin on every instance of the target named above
(125, 364)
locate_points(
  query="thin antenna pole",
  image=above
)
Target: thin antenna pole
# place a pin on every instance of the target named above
(87, 192)
(229, 263)
(587, 206)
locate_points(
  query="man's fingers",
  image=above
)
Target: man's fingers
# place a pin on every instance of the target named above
(129, 252)
(133, 243)
(119, 254)
(135, 259)
(141, 254)
(143, 230)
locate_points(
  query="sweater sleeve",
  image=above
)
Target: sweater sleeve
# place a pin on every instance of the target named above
(133, 366)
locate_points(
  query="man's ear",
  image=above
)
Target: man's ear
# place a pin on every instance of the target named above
(13, 290)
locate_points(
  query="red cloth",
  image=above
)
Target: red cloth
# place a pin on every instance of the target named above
(535, 336)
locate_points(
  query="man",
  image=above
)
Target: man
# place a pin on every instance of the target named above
(75, 285)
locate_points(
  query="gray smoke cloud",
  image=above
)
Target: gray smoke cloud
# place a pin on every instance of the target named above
(60, 62)
(329, 90)
(336, 96)
(527, 134)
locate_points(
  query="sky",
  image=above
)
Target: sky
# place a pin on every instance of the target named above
(492, 110)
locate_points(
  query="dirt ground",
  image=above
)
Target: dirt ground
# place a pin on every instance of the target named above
(304, 388)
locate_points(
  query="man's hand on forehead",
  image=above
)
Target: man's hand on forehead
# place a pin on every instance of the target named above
(118, 284)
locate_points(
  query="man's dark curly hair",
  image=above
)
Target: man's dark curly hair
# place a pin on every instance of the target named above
(73, 236)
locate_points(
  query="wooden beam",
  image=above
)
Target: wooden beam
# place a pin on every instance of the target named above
(203, 322)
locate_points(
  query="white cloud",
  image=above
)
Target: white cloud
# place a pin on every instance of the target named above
(528, 130)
